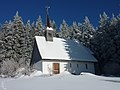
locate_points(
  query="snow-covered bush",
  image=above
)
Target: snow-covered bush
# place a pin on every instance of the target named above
(9, 68)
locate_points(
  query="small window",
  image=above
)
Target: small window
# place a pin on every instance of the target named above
(77, 66)
(70, 65)
(86, 66)
(49, 34)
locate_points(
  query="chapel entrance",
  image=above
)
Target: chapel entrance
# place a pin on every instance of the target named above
(56, 68)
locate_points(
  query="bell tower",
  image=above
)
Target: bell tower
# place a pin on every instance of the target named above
(49, 29)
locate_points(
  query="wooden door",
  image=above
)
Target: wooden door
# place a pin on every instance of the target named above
(56, 68)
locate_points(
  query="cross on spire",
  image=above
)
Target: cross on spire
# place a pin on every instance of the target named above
(47, 8)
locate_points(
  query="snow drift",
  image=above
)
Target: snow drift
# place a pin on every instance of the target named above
(64, 81)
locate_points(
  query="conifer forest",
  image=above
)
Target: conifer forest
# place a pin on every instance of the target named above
(17, 41)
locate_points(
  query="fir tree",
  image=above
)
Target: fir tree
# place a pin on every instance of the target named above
(76, 31)
(53, 25)
(64, 30)
(104, 20)
(88, 32)
(113, 20)
(28, 27)
(105, 45)
(39, 27)
(14, 46)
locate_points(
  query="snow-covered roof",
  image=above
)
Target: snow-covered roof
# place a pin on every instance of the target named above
(62, 49)
(49, 28)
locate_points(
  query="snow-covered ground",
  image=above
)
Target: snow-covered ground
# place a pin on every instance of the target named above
(64, 81)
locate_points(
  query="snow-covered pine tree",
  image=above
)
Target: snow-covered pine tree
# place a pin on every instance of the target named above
(104, 20)
(39, 23)
(80, 31)
(30, 31)
(74, 30)
(14, 46)
(88, 32)
(2, 46)
(18, 23)
(20, 39)
(77, 31)
(106, 44)
(118, 17)
(71, 33)
(7, 52)
(28, 27)
(39, 27)
(53, 25)
(64, 30)
(29, 41)
(113, 20)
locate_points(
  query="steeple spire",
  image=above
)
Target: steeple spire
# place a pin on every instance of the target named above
(47, 17)
(49, 30)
